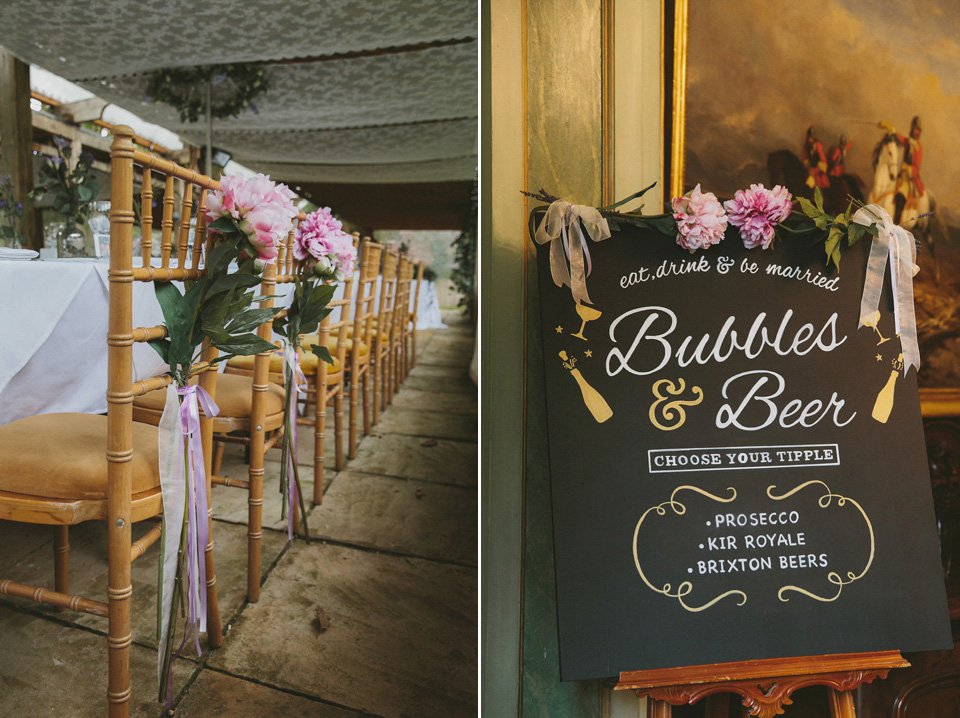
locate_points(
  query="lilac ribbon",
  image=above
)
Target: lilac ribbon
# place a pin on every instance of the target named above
(197, 522)
(296, 376)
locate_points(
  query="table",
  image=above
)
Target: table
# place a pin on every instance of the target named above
(53, 318)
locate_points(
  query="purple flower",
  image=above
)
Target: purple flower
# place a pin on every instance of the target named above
(19, 206)
(700, 218)
(61, 142)
(757, 211)
(3, 204)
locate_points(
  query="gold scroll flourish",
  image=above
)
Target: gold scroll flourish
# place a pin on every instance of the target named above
(672, 410)
(833, 577)
(686, 587)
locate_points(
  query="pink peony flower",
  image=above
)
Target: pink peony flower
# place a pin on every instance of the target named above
(757, 211)
(700, 218)
(321, 241)
(263, 209)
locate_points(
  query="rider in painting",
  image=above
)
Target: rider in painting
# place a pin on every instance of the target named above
(815, 160)
(909, 186)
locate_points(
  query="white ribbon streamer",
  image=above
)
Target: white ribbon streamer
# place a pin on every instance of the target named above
(173, 490)
(899, 245)
(561, 227)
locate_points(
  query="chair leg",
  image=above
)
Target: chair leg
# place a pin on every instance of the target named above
(366, 399)
(61, 559)
(214, 626)
(218, 447)
(354, 408)
(319, 443)
(119, 594)
(338, 429)
(377, 383)
(254, 523)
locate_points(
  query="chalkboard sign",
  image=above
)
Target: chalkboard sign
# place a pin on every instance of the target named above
(738, 472)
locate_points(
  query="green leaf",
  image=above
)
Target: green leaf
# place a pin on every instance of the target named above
(163, 348)
(808, 208)
(226, 225)
(322, 352)
(178, 317)
(219, 257)
(855, 233)
(832, 246)
(818, 198)
(250, 319)
(225, 282)
(245, 344)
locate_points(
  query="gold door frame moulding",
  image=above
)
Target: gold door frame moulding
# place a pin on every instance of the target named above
(679, 95)
(608, 99)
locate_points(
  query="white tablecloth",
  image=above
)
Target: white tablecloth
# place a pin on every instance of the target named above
(53, 319)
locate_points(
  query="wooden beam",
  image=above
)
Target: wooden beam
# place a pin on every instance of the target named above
(69, 132)
(16, 151)
(81, 110)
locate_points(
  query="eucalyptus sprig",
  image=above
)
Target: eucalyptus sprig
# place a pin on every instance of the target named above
(830, 229)
(215, 307)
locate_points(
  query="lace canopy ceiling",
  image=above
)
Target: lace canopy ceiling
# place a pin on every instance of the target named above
(360, 91)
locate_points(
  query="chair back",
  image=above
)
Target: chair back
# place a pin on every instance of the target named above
(122, 386)
(368, 272)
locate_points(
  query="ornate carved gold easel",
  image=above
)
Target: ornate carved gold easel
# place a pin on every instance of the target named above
(766, 685)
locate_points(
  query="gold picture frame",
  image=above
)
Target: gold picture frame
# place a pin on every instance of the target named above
(705, 46)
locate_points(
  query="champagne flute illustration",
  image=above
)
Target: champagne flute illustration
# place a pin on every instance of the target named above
(872, 322)
(587, 314)
(591, 397)
(884, 403)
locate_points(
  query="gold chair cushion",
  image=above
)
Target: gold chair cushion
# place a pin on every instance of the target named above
(384, 337)
(234, 398)
(309, 339)
(246, 362)
(309, 362)
(64, 456)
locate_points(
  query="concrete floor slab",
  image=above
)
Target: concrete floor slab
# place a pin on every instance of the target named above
(411, 457)
(88, 576)
(400, 515)
(459, 383)
(48, 669)
(214, 695)
(432, 370)
(401, 641)
(19, 540)
(445, 401)
(429, 424)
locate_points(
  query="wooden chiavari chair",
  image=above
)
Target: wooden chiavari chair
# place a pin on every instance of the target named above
(251, 413)
(358, 345)
(401, 323)
(63, 469)
(380, 338)
(410, 327)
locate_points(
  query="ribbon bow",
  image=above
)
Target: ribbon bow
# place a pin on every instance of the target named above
(899, 245)
(183, 485)
(299, 384)
(561, 226)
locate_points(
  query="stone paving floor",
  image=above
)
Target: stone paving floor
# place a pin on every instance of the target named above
(392, 564)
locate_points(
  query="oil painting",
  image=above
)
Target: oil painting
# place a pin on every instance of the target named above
(858, 98)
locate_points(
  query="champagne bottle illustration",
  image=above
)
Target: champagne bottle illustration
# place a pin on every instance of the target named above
(591, 397)
(884, 403)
